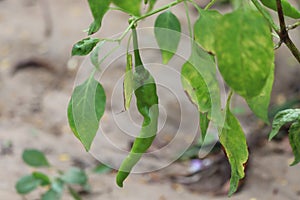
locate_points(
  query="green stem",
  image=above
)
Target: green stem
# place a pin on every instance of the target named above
(136, 51)
(282, 31)
(189, 20)
(284, 35)
(210, 4)
(195, 5)
(165, 7)
(136, 19)
(293, 26)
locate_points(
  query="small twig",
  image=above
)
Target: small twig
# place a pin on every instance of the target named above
(278, 45)
(293, 26)
(210, 4)
(283, 34)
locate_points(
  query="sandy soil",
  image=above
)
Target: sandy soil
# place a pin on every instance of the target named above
(33, 107)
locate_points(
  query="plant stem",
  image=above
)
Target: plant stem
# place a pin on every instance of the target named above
(195, 5)
(134, 20)
(210, 4)
(284, 35)
(139, 67)
(293, 26)
(189, 20)
(282, 31)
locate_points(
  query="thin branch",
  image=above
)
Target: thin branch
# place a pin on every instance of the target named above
(210, 4)
(293, 26)
(283, 34)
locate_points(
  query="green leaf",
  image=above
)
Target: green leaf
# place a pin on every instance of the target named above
(200, 83)
(35, 158)
(294, 137)
(151, 4)
(75, 176)
(58, 185)
(283, 117)
(85, 110)
(167, 30)
(84, 46)
(204, 123)
(260, 104)
(288, 9)
(26, 184)
(98, 8)
(51, 195)
(147, 104)
(74, 194)
(244, 50)
(205, 29)
(102, 169)
(233, 140)
(128, 86)
(132, 7)
(45, 180)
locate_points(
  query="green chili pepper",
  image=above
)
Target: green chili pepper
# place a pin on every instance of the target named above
(147, 104)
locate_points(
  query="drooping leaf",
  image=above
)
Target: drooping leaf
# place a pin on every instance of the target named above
(98, 8)
(51, 195)
(45, 180)
(288, 9)
(133, 7)
(35, 158)
(200, 82)
(233, 140)
(167, 30)
(84, 46)
(26, 184)
(75, 176)
(244, 50)
(147, 104)
(283, 117)
(128, 85)
(85, 110)
(294, 137)
(205, 29)
(260, 104)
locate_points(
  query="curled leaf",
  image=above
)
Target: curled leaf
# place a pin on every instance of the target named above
(283, 117)
(233, 140)
(84, 46)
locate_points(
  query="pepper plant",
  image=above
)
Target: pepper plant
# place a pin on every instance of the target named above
(239, 44)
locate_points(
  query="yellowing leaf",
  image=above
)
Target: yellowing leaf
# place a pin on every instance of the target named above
(260, 104)
(233, 140)
(244, 50)
(205, 29)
